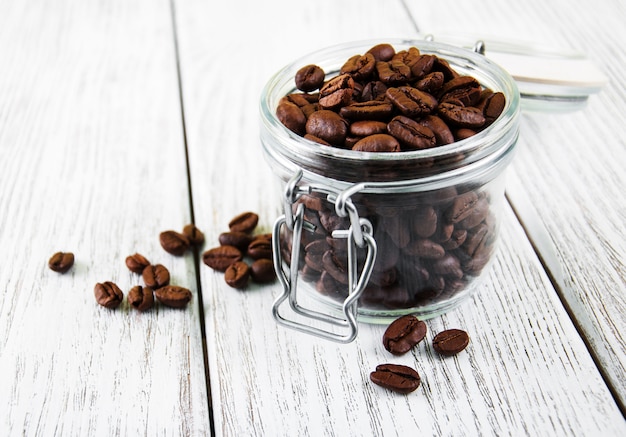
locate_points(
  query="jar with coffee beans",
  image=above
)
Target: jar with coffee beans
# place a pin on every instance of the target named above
(392, 157)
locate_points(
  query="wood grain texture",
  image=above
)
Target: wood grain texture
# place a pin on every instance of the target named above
(568, 176)
(527, 371)
(92, 161)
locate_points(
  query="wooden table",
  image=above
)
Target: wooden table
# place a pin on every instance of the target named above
(119, 120)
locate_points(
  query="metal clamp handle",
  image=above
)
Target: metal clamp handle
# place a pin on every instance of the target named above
(360, 229)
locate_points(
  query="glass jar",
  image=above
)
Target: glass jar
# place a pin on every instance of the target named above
(378, 235)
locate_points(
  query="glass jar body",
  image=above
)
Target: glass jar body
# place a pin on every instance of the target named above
(434, 214)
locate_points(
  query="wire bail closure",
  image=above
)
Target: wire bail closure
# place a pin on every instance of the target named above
(359, 235)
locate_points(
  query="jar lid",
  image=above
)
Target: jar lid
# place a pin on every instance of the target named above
(549, 80)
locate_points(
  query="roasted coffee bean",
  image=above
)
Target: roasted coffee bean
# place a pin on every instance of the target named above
(240, 240)
(393, 72)
(174, 242)
(360, 67)
(404, 333)
(374, 90)
(465, 89)
(244, 222)
(425, 248)
(461, 116)
(450, 341)
(136, 263)
(260, 248)
(141, 298)
(219, 258)
(156, 276)
(431, 83)
(337, 92)
(61, 262)
(108, 294)
(462, 207)
(411, 101)
(292, 116)
(411, 134)
(377, 143)
(382, 52)
(193, 234)
(492, 106)
(370, 110)
(262, 271)
(237, 274)
(443, 134)
(423, 66)
(328, 126)
(396, 377)
(309, 78)
(173, 296)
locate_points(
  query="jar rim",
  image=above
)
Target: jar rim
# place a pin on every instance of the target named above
(310, 155)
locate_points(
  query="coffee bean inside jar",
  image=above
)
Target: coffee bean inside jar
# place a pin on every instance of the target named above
(414, 136)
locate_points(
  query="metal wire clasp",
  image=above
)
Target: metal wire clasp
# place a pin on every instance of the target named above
(359, 235)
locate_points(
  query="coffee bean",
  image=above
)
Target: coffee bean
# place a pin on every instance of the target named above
(61, 262)
(360, 67)
(382, 52)
(108, 294)
(291, 116)
(262, 271)
(136, 263)
(396, 377)
(141, 298)
(450, 341)
(377, 143)
(260, 248)
(237, 274)
(173, 296)
(328, 126)
(219, 258)
(411, 134)
(309, 78)
(404, 333)
(193, 234)
(240, 240)
(244, 222)
(174, 242)
(336, 92)
(411, 101)
(156, 276)
(461, 116)
(370, 110)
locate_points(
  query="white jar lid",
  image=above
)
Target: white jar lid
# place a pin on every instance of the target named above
(549, 80)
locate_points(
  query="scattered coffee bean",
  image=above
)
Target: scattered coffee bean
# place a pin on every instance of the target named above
(108, 294)
(404, 333)
(141, 298)
(61, 262)
(237, 274)
(156, 276)
(396, 377)
(173, 296)
(262, 271)
(240, 240)
(244, 222)
(450, 341)
(136, 263)
(219, 258)
(260, 248)
(174, 242)
(193, 234)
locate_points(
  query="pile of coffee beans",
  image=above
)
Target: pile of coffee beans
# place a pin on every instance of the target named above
(402, 335)
(431, 244)
(238, 243)
(156, 277)
(388, 101)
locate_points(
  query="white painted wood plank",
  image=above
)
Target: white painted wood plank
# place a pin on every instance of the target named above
(568, 176)
(92, 161)
(527, 370)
